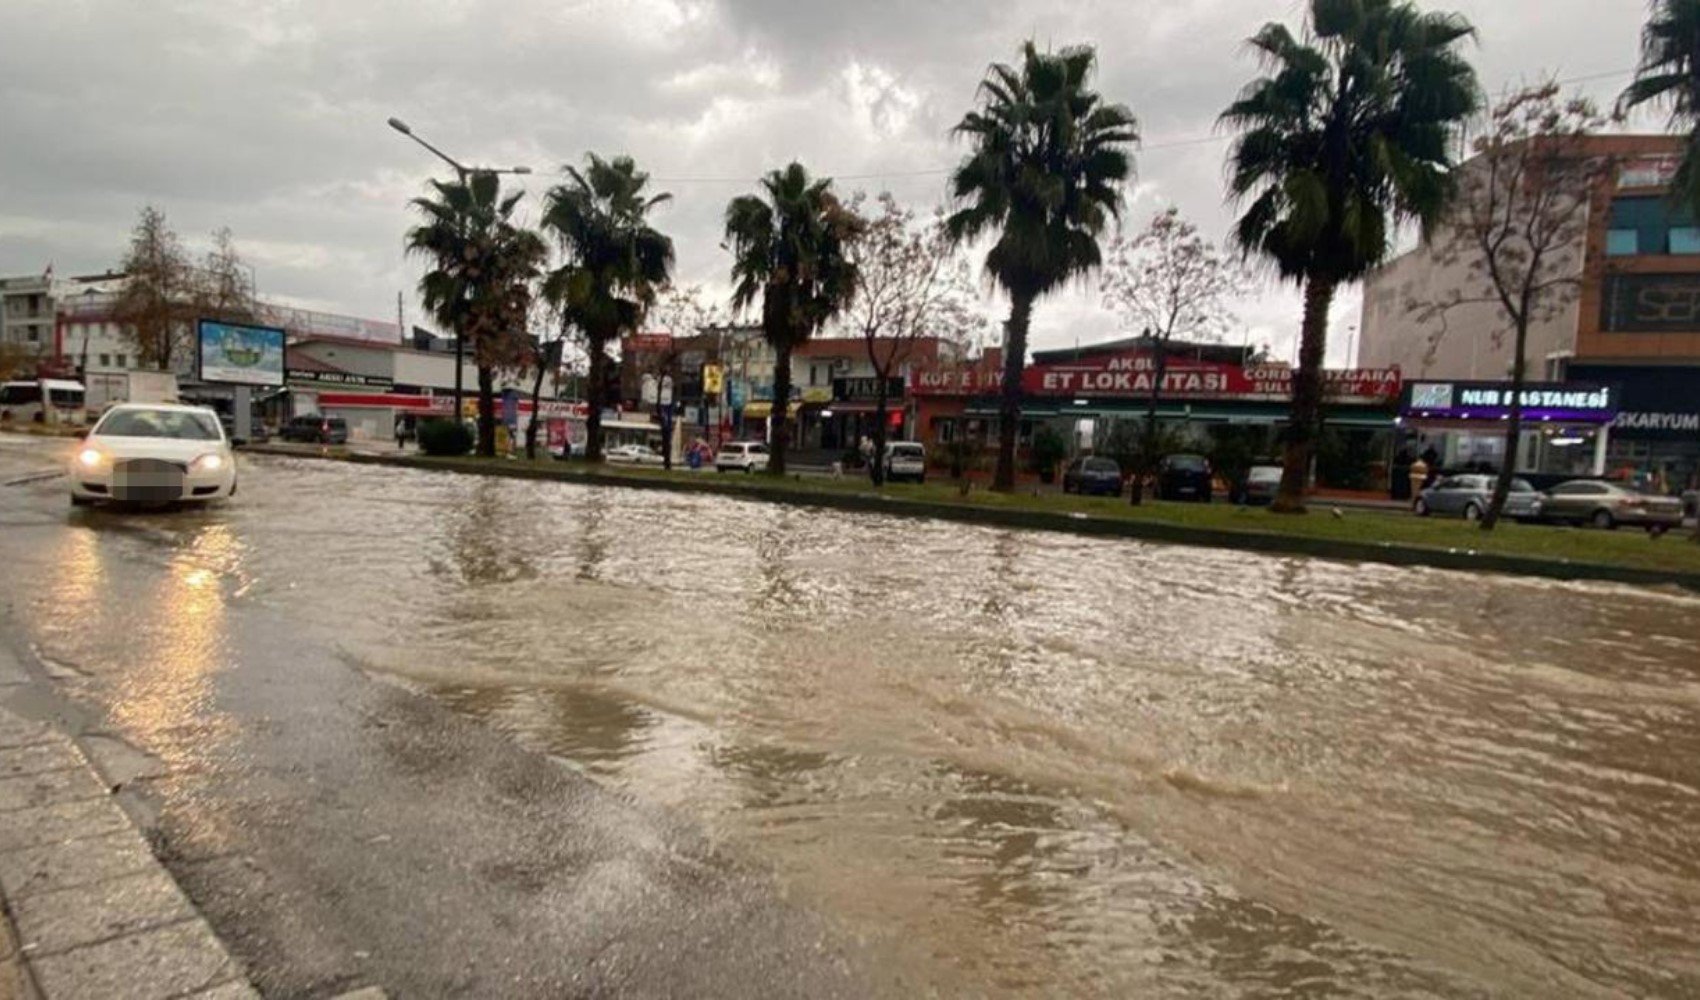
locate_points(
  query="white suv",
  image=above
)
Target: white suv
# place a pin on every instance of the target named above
(746, 456)
(905, 460)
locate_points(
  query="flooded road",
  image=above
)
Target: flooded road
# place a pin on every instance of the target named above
(1014, 763)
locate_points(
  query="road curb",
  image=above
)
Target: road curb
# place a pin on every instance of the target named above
(1271, 543)
(93, 914)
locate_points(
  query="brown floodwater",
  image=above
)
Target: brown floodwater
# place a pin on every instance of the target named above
(1036, 764)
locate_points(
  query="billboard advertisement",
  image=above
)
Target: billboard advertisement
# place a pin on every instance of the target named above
(239, 354)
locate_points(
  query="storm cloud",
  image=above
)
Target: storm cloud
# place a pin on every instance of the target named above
(269, 117)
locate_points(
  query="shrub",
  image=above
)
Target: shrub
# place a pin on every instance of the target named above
(444, 437)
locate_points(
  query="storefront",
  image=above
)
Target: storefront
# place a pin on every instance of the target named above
(1086, 396)
(1460, 426)
(1655, 436)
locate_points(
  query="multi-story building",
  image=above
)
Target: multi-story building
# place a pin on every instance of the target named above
(32, 308)
(1633, 330)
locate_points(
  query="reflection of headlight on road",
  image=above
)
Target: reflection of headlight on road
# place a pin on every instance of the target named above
(90, 458)
(209, 463)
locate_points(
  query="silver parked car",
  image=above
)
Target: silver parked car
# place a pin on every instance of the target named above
(1471, 494)
(1607, 505)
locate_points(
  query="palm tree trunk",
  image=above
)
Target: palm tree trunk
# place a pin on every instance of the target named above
(1009, 403)
(1307, 399)
(486, 412)
(593, 401)
(779, 424)
(531, 427)
(1513, 431)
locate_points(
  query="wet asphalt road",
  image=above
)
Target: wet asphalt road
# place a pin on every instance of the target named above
(338, 831)
(864, 755)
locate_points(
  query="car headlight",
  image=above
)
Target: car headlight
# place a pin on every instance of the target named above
(209, 463)
(91, 458)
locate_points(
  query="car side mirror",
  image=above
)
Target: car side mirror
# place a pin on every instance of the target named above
(82, 433)
(237, 442)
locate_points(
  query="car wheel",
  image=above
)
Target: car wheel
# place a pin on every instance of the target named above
(1655, 530)
(1603, 519)
(77, 501)
(1472, 512)
(1420, 508)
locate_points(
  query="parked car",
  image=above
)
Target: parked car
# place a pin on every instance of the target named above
(1184, 477)
(1472, 494)
(1607, 505)
(257, 433)
(1091, 475)
(316, 429)
(153, 454)
(1261, 484)
(634, 454)
(741, 456)
(905, 460)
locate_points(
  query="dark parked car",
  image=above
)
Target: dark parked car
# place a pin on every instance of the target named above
(1088, 475)
(1607, 505)
(1472, 493)
(1184, 477)
(316, 429)
(257, 433)
(1262, 482)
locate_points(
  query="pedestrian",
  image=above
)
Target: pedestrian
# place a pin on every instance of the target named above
(401, 433)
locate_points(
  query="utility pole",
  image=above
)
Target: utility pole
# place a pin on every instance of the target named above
(462, 172)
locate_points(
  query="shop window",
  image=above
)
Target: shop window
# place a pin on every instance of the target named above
(1622, 242)
(1685, 239)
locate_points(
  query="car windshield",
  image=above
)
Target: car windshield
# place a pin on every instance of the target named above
(1521, 486)
(179, 425)
(1187, 463)
(1101, 465)
(906, 450)
(1266, 474)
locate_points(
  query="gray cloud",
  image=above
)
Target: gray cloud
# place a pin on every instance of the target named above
(269, 117)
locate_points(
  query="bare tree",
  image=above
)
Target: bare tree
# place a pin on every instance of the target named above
(1163, 281)
(223, 286)
(153, 305)
(912, 283)
(1519, 226)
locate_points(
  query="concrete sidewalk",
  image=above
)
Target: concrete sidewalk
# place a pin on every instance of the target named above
(90, 913)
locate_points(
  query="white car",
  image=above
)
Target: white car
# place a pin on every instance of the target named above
(634, 454)
(741, 456)
(905, 460)
(153, 454)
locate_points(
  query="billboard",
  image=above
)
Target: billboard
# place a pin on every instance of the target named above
(239, 354)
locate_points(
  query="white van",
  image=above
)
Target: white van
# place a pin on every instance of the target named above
(741, 456)
(905, 460)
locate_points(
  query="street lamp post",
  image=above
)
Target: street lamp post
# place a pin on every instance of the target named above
(462, 172)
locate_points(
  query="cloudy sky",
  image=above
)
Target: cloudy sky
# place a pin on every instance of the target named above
(269, 117)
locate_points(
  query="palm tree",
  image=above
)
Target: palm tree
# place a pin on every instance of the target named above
(790, 247)
(1349, 135)
(615, 262)
(1670, 71)
(480, 284)
(1045, 175)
